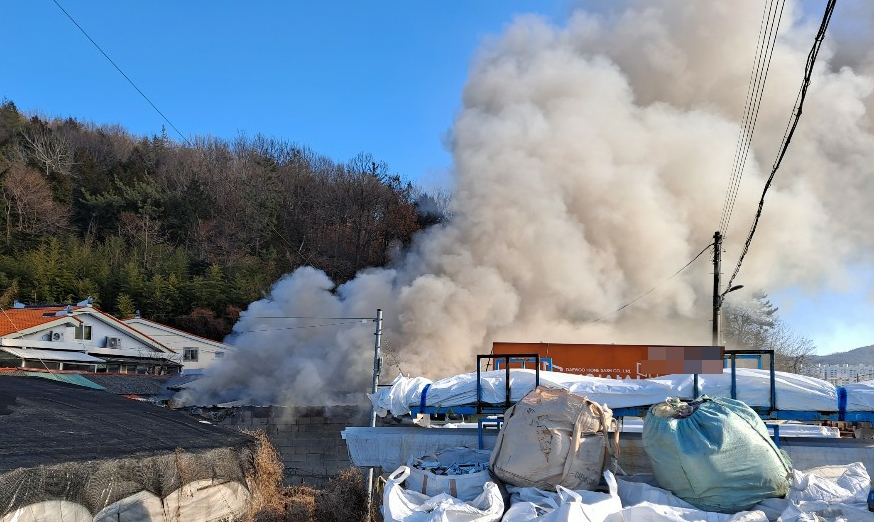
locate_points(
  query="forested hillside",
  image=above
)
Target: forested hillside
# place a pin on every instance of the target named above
(862, 355)
(191, 233)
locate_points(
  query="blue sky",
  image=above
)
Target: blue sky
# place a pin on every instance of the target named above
(340, 77)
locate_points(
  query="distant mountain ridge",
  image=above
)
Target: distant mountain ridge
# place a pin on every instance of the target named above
(863, 355)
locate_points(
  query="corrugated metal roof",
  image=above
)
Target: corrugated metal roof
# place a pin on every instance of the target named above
(70, 378)
(51, 355)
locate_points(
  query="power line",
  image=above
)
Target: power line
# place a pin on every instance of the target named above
(758, 77)
(753, 100)
(790, 129)
(294, 327)
(742, 158)
(306, 317)
(651, 290)
(122, 72)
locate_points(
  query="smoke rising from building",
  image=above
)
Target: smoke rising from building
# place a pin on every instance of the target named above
(591, 163)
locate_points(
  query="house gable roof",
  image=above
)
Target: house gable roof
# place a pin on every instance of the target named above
(180, 333)
(24, 320)
(120, 325)
(16, 322)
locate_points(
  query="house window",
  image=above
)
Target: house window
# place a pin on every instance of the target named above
(83, 332)
(219, 355)
(190, 354)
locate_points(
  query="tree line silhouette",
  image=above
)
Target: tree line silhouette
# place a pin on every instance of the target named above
(188, 234)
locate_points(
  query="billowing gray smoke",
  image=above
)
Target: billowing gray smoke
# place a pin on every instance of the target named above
(591, 162)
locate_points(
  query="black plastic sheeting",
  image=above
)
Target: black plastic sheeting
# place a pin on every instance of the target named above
(44, 423)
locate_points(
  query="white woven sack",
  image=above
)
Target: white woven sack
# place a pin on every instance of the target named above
(553, 438)
(461, 486)
(564, 505)
(400, 505)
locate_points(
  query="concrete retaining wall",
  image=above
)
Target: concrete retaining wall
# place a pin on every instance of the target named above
(307, 438)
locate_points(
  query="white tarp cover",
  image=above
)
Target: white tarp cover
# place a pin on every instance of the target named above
(860, 396)
(794, 392)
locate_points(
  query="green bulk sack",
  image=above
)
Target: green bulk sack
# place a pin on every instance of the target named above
(715, 454)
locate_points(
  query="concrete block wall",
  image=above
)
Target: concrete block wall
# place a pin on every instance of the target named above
(308, 438)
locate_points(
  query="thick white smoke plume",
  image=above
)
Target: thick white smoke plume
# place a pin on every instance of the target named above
(592, 162)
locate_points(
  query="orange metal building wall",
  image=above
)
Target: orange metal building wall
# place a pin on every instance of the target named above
(618, 360)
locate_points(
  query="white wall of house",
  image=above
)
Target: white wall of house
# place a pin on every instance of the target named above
(197, 353)
(94, 333)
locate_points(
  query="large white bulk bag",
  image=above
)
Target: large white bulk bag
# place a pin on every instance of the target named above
(553, 438)
(206, 501)
(50, 511)
(715, 454)
(451, 463)
(143, 506)
(564, 505)
(400, 505)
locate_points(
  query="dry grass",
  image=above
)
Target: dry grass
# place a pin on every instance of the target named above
(265, 481)
(343, 499)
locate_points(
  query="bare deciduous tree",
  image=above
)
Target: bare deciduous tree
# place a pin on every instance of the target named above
(28, 204)
(754, 324)
(48, 149)
(791, 350)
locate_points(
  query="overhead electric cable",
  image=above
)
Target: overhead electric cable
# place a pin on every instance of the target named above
(790, 129)
(771, 17)
(747, 143)
(307, 317)
(294, 327)
(767, 35)
(122, 73)
(638, 298)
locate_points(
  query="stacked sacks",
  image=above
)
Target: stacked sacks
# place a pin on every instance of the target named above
(715, 454)
(554, 438)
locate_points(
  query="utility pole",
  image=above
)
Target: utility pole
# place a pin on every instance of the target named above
(717, 299)
(377, 365)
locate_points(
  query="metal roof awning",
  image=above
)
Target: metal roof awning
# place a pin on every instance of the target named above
(147, 361)
(134, 353)
(30, 354)
(70, 378)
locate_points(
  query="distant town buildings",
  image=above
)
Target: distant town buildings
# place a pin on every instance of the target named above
(840, 374)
